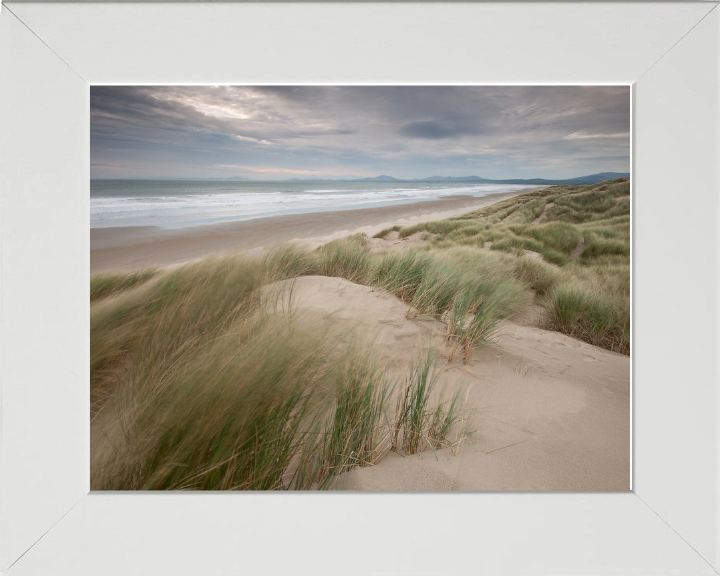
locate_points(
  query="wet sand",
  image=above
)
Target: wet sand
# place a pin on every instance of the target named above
(125, 248)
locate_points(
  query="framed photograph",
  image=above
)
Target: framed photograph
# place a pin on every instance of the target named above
(60, 62)
(404, 332)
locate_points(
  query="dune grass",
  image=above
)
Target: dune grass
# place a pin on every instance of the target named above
(411, 414)
(447, 416)
(495, 301)
(383, 233)
(347, 258)
(537, 274)
(591, 315)
(229, 418)
(402, 273)
(356, 432)
(424, 416)
(211, 387)
(581, 235)
(102, 285)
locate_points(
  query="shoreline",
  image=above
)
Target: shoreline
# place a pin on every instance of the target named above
(124, 248)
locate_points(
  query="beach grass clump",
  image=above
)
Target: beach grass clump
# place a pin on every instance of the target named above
(155, 322)
(452, 285)
(229, 415)
(559, 213)
(383, 233)
(559, 236)
(592, 315)
(102, 285)
(622, 208)
(425, 417)
(593, 201)
(533, 209)
(477, 311)
(413, 406)
(478, 263)
(116, 325)
(518, 244)
(356, 430)
(566, 303)
(598, 245)
(345, 258)
(437, 227)
(447, 416)
(287, 261)
(438, 287)
(200, 299)
(400, 273)
(150, 336)
(511, 242)
(537, 274)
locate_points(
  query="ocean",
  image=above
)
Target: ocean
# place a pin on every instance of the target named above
(180, 203)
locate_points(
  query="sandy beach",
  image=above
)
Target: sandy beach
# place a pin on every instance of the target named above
(125, 248)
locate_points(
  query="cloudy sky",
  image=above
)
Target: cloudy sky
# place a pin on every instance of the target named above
(272, 133)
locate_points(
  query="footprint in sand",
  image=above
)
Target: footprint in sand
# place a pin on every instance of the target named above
(588, 358)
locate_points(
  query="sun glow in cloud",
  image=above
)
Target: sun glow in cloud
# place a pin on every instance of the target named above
(270, 170)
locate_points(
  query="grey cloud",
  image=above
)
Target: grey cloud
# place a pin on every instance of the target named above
(409, 131)
(432, 130)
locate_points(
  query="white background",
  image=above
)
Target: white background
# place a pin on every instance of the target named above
(51, 53)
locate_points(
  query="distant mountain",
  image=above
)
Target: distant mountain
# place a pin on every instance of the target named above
(595, 178)
(590, 179)
(381, 178)
(226, 179)
(454, 179)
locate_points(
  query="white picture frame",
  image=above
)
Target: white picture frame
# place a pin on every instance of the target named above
(50, 53)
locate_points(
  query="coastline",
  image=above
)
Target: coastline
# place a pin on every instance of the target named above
(125, 248)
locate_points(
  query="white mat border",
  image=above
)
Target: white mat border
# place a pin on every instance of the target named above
(49, 54)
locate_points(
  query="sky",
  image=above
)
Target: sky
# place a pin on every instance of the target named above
(325, 132)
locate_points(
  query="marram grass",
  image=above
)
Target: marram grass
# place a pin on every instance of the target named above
(209, 387)
(206, 386)
(580, 236)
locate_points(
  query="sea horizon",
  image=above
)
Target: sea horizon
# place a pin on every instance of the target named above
(183, 203)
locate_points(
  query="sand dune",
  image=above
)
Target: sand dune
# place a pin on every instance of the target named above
(551, 412)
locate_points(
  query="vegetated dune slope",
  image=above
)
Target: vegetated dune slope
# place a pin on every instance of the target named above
(550, 412)
(177, 353)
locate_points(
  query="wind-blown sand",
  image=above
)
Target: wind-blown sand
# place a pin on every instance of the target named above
(551, 412)
(134, 247)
